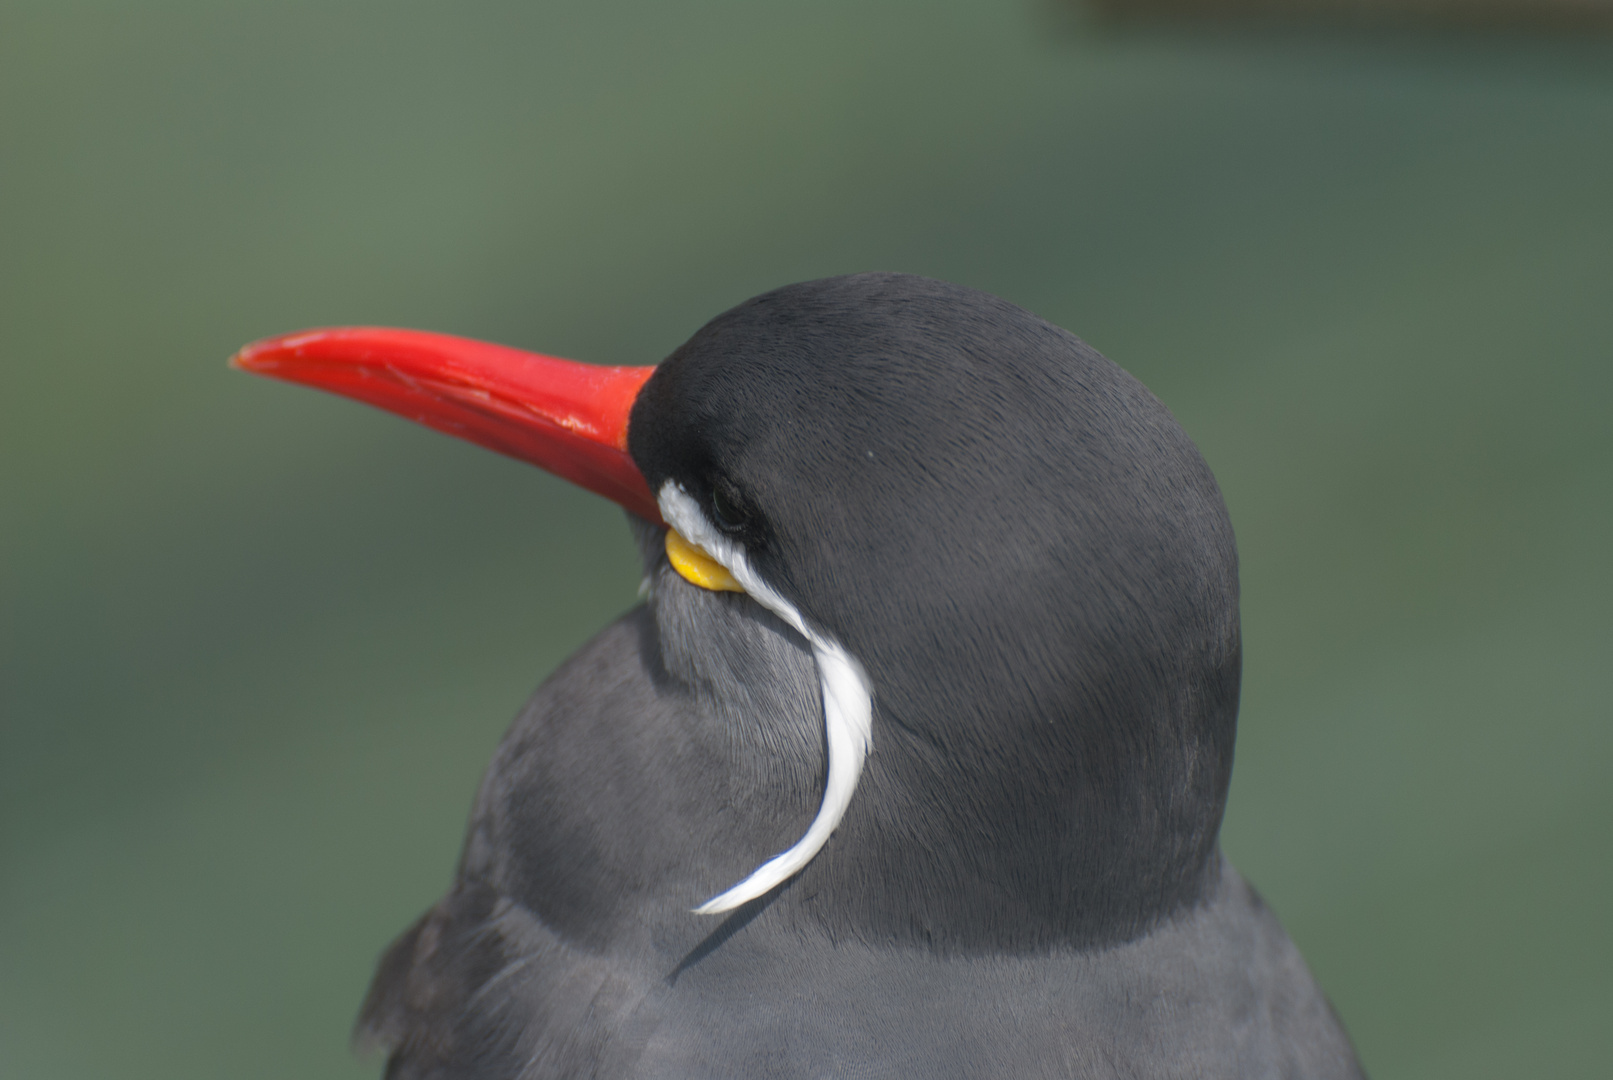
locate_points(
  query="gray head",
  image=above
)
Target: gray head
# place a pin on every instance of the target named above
(945, 578)
(1024, 558)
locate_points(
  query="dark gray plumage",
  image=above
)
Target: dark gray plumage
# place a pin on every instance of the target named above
(1035, 568)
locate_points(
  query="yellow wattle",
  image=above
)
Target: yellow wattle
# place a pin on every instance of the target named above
(697, 567)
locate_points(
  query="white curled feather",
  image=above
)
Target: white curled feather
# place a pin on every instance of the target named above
(848, 707)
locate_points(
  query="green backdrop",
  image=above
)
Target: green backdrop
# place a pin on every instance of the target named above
(256, 644)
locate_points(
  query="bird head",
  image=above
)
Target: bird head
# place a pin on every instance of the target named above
(1013, 571)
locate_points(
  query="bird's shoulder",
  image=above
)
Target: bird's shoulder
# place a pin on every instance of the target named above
(481, 987)
(1217, 991)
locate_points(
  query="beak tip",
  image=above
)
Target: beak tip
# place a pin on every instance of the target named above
(251, 358)
(266, 356)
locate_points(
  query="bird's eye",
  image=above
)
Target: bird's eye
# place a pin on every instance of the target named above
(725, 510)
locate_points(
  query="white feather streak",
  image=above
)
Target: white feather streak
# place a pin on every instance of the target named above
(847, 703)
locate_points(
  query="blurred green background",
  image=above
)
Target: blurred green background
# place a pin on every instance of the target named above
(256, 644)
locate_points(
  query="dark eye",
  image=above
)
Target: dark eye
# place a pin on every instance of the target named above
(725, 510)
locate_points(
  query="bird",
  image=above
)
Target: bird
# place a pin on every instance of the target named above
(913, 759)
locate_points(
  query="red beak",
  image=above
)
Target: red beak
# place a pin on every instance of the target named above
(559, 415)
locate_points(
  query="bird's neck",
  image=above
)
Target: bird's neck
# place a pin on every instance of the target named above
(1101, 832)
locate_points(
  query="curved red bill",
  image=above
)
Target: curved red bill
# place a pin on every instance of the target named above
(559, 415)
